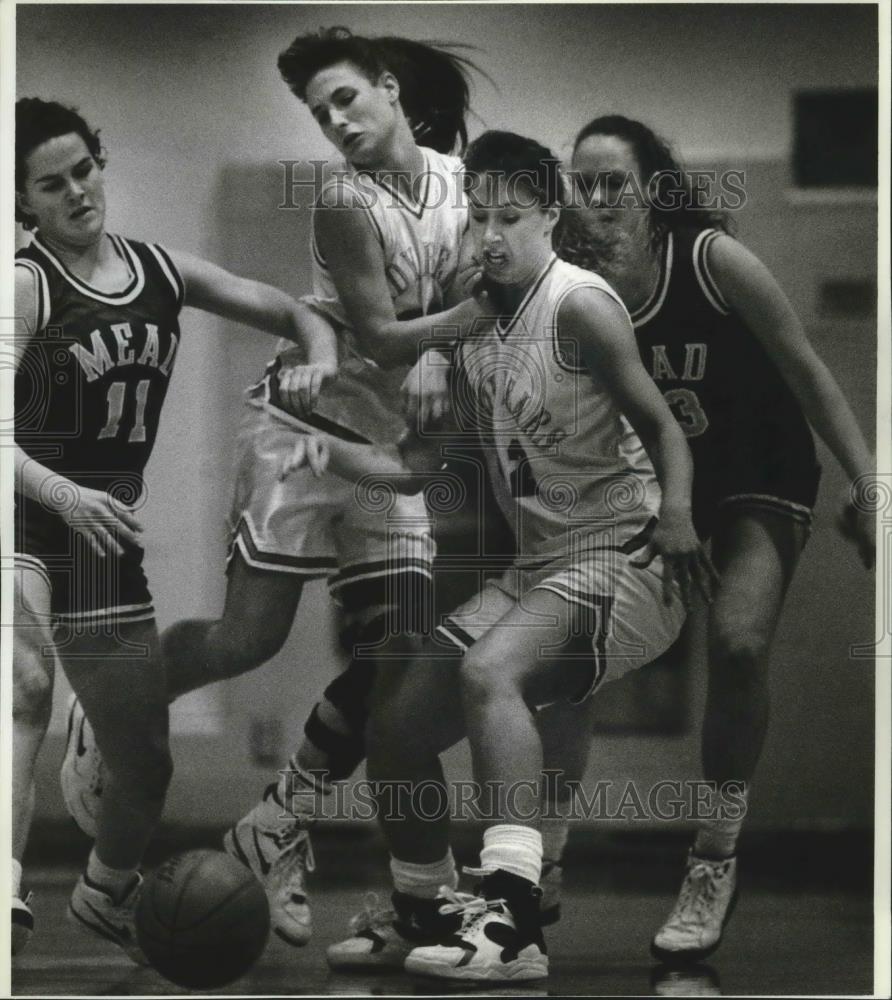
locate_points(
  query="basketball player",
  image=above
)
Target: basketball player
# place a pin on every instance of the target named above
(387, 231)
(607, 553)
(96, 338)
(723, 344)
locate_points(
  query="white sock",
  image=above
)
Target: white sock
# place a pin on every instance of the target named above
(16, 877)
(299, 792)
(423, 881)
(514, 849)
(717, 837)
(554, 838)
(113, 881)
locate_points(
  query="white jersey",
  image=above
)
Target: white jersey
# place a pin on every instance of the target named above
(568, 470)
(421, 239)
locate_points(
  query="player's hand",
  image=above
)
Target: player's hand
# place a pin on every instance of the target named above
(469, 277)
(424, 393)
(300, 385)
(309, 449)
(101, 520)
(685, 560)
(419, 453)
(859, 527)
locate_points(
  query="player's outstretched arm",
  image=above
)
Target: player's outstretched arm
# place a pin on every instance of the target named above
(754, 295)
(254, 303)
(355, 260)
(257, 304)
(594, 324)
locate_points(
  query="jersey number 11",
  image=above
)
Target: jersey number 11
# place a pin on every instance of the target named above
(117, 394)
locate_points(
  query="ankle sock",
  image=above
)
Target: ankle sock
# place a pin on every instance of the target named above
(113, 881)
(717, 837)
(514, 849)
(424, 880)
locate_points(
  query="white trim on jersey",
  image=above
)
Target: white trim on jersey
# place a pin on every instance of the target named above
(125, 252)
(415, 208)
(599, 285)
(533, 289)
(44, 307)
(701, 270)
(25, 559)
(169, 270)
(650, 308)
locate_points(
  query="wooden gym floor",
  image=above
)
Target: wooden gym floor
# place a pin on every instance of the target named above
(803, 925)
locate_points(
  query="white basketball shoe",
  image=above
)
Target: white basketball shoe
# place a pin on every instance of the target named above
(81, 775)
(695, 926)
(276, 846)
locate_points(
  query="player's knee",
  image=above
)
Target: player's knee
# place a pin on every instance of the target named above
(738, 653)
(482, 679)
(392, 739)
(348, 696)
(32, 701)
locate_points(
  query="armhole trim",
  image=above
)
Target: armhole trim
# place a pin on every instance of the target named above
(42, 288)
(704, 277)
(170, 272)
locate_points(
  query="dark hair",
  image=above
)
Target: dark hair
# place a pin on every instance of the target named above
(434, 86)
(673, 204)
(519, 160)
(36, 122)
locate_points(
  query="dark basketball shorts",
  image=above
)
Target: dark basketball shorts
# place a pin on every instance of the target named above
(756, 475)
(86, 590)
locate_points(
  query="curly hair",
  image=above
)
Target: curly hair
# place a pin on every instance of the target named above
(671, 199)
(38, 121)
(433, 78)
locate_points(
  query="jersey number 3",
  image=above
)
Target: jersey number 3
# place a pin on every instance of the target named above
(117, 394)
(687, 411)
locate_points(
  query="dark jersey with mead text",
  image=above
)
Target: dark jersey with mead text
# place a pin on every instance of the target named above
(92, 381)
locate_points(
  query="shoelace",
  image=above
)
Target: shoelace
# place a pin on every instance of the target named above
(372, 916)
(472, 908)
(296, 849)
(697, 892)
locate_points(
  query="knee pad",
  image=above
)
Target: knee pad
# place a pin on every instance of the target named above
(407, 610)
(345, 752)
(349, 693)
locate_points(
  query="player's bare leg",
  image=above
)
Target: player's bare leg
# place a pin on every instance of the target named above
(118, 677)
(257, 617)
(566, 733)
(515, 665)
(34, 662)
(755, 553)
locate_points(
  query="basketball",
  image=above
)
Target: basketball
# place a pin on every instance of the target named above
(203, 919)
